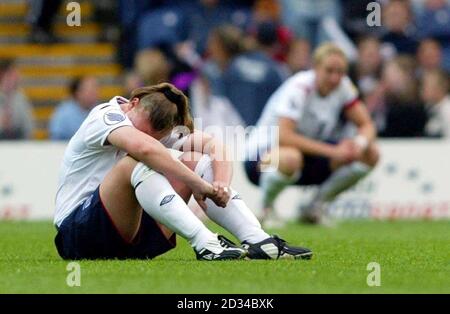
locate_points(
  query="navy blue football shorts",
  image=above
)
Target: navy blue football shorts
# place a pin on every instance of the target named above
(315, 171)
(89, 233)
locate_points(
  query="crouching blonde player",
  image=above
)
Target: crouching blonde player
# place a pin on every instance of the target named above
(310, 109)
(122, 193)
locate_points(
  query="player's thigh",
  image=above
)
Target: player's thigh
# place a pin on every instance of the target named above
(118, 198)
(288, 160)
(118, 195)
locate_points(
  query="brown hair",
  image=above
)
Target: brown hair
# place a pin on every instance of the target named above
(152, 66)
(168, 107)
(231, 39)
(406, 89)
(442, 79)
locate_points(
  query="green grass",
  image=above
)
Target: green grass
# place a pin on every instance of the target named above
(414, 258)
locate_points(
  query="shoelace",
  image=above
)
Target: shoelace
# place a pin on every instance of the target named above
(226, 242)
(280, 242)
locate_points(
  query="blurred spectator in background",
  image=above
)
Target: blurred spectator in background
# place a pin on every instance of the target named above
(366, 71)
(213, 110)
(162, 64)
(152, 66)
(41, 16)
(70, 114)
(434, 22)
(164, 24)
(253, 76)
(429, 56)
(131, 81)
(130, 12)
(318, 21)
(208, 14)
(404, 115)
(224, 44)
(268, 12)
(299, 56)
(15, 110)
(399, 35)
(434, 92)
(305, 18)
(178, 21)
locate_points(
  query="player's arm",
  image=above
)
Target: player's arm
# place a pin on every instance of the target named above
(359, 115)
(290, 137)
(151, 152)
(222, 167)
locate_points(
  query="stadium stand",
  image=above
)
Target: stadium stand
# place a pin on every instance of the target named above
(47, 69)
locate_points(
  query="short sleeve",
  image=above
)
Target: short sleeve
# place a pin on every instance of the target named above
(349, 93)
(101, 122)
(290, 102)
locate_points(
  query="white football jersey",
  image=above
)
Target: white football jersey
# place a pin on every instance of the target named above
(316, 117)
(87, 158)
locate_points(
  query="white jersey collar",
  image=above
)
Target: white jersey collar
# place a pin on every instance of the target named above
(118, 100)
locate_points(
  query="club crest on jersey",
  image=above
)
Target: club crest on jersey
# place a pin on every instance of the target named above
(113, 117)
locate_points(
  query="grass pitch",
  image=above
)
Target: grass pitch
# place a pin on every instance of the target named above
(414, 258)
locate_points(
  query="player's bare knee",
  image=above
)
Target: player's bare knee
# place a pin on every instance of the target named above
(124, 167)
(191, 159)
(291, 160)
(127, 161)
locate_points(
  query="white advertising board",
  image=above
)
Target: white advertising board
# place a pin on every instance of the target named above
(411, 181)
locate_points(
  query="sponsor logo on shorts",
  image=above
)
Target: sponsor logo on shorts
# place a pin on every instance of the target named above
(87, 202)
